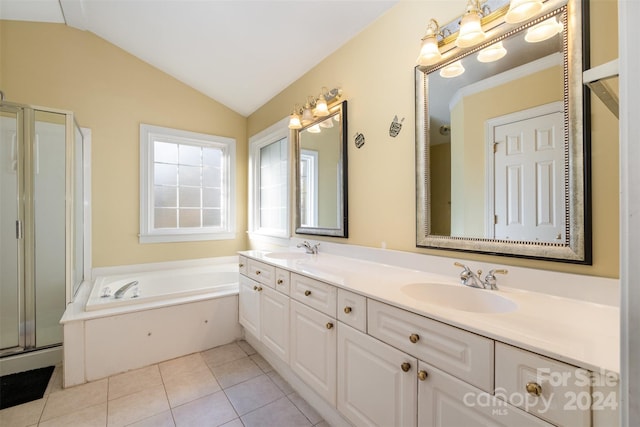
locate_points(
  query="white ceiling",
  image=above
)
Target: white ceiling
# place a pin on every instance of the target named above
(239, 52)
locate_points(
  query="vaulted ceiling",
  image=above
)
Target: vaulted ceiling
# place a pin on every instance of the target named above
(239, 52)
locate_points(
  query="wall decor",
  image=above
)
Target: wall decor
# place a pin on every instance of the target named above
(359, 140)
(396, 127)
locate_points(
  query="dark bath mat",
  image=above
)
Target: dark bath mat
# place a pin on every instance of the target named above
(24, 387)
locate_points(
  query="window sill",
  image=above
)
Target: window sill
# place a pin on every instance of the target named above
(174, 238)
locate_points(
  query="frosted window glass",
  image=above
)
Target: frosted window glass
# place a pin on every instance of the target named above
(211, 198)
(165, 152)
(212, 156)
(212, 177)
(189, 197)
(190, 218)
(190, 155)
(212, 218)
(164, 174)
(165, 218)
(189, 175)
(165, 197)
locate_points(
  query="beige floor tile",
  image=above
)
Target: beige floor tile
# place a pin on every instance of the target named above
(134, 381)
(180, 366)
(252, 394)
(246, 347)
(212, 410)
(93, 416)
(163, 419)
(280, 382)
(74, 399)
(22, 415)
(137, 406)
(234, 423)
(235, 372)
(55, 383)
(305, 408)
(223, 354)
(263, 364)
(281, 413)
(190, 386)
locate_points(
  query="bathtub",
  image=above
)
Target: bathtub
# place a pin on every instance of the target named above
(162, 285)
(181, 307)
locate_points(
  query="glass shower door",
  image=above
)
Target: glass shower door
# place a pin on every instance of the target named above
(11, 295)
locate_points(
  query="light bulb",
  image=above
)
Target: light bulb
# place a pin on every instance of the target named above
(294, 121)
(471, 32)
(321, 109)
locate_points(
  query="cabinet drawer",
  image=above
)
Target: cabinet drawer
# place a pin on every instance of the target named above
(261, 272)
(352, 309)
(463, 354)
(242, 265)
(563, 389)
(314, 293)
(283, 281)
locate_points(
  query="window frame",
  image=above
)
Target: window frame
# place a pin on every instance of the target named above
(270, 135)
(149, 234)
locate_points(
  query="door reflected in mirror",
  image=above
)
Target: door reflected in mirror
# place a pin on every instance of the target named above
(321, 175)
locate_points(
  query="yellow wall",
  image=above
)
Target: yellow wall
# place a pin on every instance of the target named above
(112, 92)
(375, 71)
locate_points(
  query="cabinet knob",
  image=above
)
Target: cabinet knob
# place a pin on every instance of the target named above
(534, 389)
(258, 272)
(259, 288)
(255, 288)
(347, 310)
(329, 325)
(241, 265)
(280, 282)
(307, 293)
(414, 338)
(422, 375)
(406, 366)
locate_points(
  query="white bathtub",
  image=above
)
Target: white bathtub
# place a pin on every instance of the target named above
(163, 285)
(183, 307)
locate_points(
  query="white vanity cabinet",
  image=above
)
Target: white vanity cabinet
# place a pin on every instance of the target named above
(249, 305)
(313, 349)
(376, 382)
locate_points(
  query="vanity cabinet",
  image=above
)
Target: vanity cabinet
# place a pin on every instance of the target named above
(376, 382)
(313, 349)
(249, 305)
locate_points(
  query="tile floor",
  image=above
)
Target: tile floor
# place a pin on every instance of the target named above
(229, 386)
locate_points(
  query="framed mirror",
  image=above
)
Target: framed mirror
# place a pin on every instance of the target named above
(502, 147)
(321, 175)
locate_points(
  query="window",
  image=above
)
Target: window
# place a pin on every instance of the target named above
(269, 181)
(187, 186)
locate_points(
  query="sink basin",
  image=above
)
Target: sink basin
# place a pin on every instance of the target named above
(460, 297)
(286, 255)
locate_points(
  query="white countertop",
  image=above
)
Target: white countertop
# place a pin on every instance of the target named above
(581, 333)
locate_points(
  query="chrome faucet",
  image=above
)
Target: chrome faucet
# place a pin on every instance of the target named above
(120, 292)
(310, 249)
(473, 280)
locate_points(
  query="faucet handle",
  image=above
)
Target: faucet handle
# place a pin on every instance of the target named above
(490, 280)
(459, 264)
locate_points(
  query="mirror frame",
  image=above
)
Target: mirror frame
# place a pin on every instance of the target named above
(577, 246)
(342, 229)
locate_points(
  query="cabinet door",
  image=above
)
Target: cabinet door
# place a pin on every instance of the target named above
(249, 305)
(274, 325)
(313, 349)
(445, 401)
(376, 382)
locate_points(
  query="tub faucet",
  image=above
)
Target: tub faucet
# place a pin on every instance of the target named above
(308, 247)
(120, 292)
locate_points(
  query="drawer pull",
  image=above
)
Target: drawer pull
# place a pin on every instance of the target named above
(422, 375)
(534, 389)
(259, 288)
(255, 288)
(347, 310)
(280, 282)
(258, 272)
(307, 293)
(405, 366)
(241, 265)
(329, 325)
(414, 338)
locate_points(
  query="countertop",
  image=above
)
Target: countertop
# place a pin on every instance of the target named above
(580, 333)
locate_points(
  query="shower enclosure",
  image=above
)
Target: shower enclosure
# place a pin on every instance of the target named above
(41, 227)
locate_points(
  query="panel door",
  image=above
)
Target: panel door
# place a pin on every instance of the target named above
(529, 179)
(313, 349)
(249, 305)
(274, 326)
(376, 382)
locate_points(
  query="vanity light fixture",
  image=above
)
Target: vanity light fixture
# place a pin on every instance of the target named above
(492, 53)
(429, 49)
(471, 32)
(452, 70)
(544, 30)
(521, 10)
(314, 108)
(314, 129)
